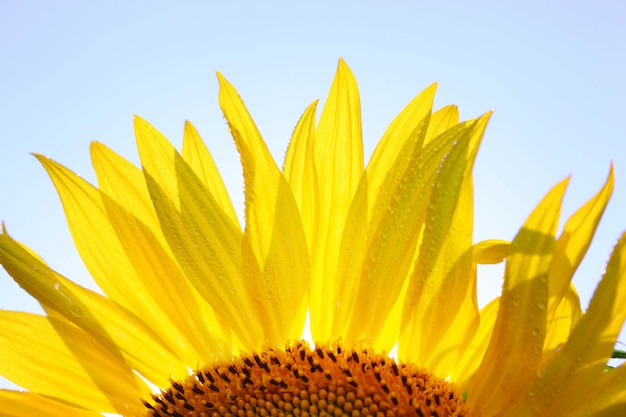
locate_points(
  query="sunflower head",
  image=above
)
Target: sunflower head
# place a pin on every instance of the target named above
(337, 264)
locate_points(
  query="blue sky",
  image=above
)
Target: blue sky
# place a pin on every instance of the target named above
(76, 71)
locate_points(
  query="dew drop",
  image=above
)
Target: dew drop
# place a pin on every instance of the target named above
(76, 311)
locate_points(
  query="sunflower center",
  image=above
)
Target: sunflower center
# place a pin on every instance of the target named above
(327, 381)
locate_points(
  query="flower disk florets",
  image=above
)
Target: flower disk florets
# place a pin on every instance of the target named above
(326, 381)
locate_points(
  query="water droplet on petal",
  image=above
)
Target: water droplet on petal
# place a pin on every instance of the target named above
(76, 311)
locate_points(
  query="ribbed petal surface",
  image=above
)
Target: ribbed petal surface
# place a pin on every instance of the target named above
(276, 265)
(515, 350)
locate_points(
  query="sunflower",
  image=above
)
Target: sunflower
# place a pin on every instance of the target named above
(201, 317)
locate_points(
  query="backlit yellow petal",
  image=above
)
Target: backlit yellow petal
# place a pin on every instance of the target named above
(491, 251)
(300, 172)
(472, 355)
(440, 121)
(200, 160)
(338, 156)
(565, 383)
(28, 404)
(606, 397)
(385, 244)
(205, 242)
(112, 325)
(55, 358)
(406, 132)
(142, 348)
(443, 272)
(515, 350)
(460, 350)
(275, 247)
(574, 241)
(121, 186)
(407, 189)
(94, 236)
(562, 320)
(443, 361)
(388, 337)
(379, 235)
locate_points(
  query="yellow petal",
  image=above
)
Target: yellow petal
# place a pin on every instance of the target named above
(570, 379)
(381, 234)
(452, 346)
(574, 241)
(440, 121)
(124, 196)
(564, 305)
(385, 221)
(405, 133)
(443, 272)
(28, 404)
(562, 320)
(200, 160)
(515, 350)
(338, 159)
(94, 235)
(491, 251)
(474, 351)
(606, 397)
(112, 325)
(388, 337)
(461, 349)
(459, 352)
(300, 172)
(55, 358)
(411, 176)
(350, 276)
(204, 240)
(276, 267)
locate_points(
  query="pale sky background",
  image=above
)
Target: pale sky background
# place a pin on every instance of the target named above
(76, 71)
